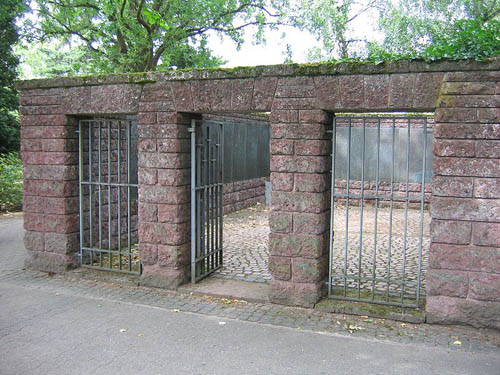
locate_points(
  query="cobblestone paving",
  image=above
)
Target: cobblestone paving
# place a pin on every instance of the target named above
(399, 266)
(78, 283)
(246, 245)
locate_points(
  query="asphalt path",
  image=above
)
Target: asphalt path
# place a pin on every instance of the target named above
(47, 332)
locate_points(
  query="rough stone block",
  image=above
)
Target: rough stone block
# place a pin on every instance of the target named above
(163, 277)
(451, 232)
(465, 209)
(298, 245)
(281, 147)
(299, 202)
(451, 257)
(450, 310)
(487, 149)
(282, 181)
(174, 177)
(288, 293)
(314, 183)
(449, 283)
(376, 91)
(148, 212)
(50, 262)
(484, 286)
(280, 222)
(305, 223)
(306, 270)
(62, 243)
(452, 186)
(486, 234)
(280, 267)
(487, 187)
(470, 167)
(313, 147)
(34, 241)
(173, 256)
(454, 148)
(263, 93)
(148, 254)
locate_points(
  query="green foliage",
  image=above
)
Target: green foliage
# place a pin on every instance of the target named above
(470, 39)
(142, 35)
(9, 126)
(11, 182)
(467, 39)
(43, 60)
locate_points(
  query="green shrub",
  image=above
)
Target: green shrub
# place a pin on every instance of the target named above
(11, 182)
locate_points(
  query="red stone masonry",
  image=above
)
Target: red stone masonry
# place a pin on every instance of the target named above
(464, 265)
(464, 274)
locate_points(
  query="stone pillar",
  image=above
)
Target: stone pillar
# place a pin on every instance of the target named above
(463, 280)
(300, 205)
(49, 149)
(164, 190)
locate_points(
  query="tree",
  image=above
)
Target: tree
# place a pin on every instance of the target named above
(9, 126)
(412, 26)
(142, 35)
(331, 21)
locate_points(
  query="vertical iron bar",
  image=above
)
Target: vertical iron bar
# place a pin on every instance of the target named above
(221, 208)
(376, 212)
(199, 199)
(347, 204)
(110, 256)
(205, 196)
(193, 201)
(360, 251)
(332, 206)
(216, 198)
(99, 193)
(129, 247)
(91, 245)
(212, 194)
(391, 204)
(209, 196)
(119, 203)
(406, 214)
(422, 205)
(80, 176)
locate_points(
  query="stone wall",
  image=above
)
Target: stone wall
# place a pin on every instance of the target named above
(464, 267)
(463, 279)
(243, 194)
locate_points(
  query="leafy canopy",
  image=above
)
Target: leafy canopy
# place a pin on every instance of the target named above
(142, 35)
(9, 127)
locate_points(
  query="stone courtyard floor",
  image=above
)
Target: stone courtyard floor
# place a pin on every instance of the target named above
(246, 245)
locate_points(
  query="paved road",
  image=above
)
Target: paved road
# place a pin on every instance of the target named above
(64, 326)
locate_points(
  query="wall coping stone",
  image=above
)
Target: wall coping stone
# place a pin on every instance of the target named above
(284, 70)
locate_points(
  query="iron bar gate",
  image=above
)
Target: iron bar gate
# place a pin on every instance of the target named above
(108, 195)
(379, 229)
(207, 189)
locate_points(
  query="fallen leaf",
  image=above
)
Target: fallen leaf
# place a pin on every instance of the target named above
(222, 323)
(457, 342)
(355, 327)
(403, 325)
(176, 310)
(123, 330)
(140, 334)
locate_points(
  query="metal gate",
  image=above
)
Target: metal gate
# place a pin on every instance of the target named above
(207, 189)
(108, 195)
(379, 227)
